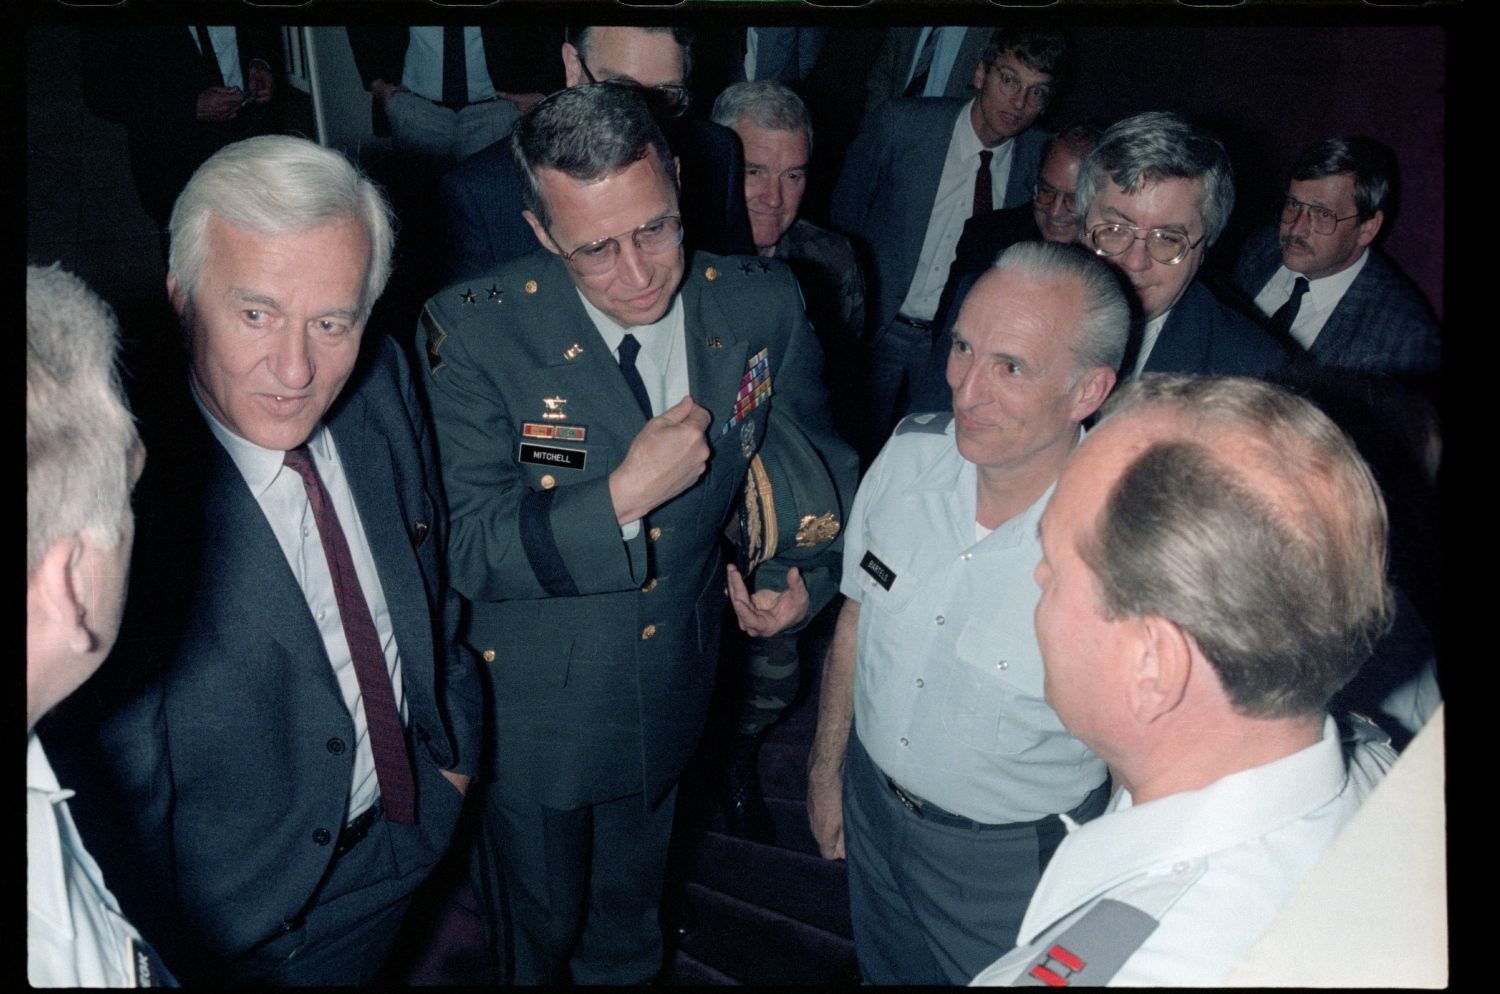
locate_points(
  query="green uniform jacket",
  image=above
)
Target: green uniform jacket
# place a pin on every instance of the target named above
(602, 652)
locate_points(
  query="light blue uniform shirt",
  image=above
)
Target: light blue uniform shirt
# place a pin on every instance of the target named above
(948, 679)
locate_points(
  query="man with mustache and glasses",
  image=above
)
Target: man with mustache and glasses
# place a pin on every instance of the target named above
(1321, 278)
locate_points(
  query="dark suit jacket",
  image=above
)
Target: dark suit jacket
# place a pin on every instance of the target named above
(520, 58)
(149, 77)
(481, 200)
(1207, 337)
(887, 77)
(602, 651)
(220, 773)
(884, 194)
(1382, 324)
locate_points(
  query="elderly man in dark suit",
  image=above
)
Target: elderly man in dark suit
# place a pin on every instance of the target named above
(918, 170)
(289, 724)
(1154, 195)
(1320, 277)
(481, 199)
(597, 404)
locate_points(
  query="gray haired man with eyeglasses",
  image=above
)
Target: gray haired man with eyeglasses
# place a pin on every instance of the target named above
(1320, 275)
(597, 403)
(1153, 196)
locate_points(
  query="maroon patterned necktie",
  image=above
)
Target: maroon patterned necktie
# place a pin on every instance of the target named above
(387, 738)
(984, 198)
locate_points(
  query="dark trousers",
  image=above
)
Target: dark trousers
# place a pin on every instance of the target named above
(574, 894)
(934, 903)
(895, 359)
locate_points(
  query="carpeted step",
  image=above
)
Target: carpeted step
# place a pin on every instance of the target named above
(808, 889)
(757, 946)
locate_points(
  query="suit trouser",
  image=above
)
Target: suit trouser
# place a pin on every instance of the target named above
(580, 888)
(421, 127)
(346, 934)
(895, 358)
(934, 903)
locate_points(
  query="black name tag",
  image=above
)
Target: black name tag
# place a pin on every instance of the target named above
(880, 571)
(553, 455)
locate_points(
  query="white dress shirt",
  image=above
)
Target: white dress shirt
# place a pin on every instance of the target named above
(1149, 335)
(282, 497)
(422, 72)
(226, 52)
(952, 205)
(1318, 302)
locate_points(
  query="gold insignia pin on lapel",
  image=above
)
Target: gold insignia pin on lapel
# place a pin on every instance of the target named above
(530, 286)
(573, 352)
(556, 409)
(710, 274)
(716, 342)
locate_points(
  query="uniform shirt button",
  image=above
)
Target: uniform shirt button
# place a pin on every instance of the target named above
(488, 655)
(942, 620)
(919, 682)
(336, 746)
(1179, 868)
(649, 586)
(967, 556)
(904, 742)
(322, 836)
(1002, 665)
(322, 615)
(548, 481)
(648, 631)
(654, 534)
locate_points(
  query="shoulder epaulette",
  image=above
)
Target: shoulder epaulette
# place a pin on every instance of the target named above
(935, 423)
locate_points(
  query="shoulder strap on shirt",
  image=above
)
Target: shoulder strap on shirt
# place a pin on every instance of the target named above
(1092, 949)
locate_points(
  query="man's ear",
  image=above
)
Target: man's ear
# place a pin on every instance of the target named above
(1160, 672)
(1370, 227)
(978, 74)
(677, 171)
(58, 586)
(1092, 391)
(572, 65)
(179, 297)
(541, 233)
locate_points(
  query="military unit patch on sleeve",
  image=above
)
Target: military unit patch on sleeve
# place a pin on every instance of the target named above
(435, 338)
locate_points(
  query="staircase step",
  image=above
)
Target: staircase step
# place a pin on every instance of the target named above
(757, 946)
(684, 971)
(809, 889)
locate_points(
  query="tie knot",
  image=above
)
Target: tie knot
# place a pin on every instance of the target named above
(1300, 286)
(985, 155)
(629, 349)
(299, 460)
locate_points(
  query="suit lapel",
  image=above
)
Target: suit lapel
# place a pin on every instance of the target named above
(714, 371)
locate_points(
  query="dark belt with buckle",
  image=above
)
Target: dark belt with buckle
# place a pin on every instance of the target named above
(358, 829)
(931, 812)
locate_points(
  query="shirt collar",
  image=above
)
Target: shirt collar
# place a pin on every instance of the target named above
(1324, 293)
(656, 339)
(258, 465)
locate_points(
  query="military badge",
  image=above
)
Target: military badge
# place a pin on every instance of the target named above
(556, 409)
(816, 529)
(755, 389)
(468, 296)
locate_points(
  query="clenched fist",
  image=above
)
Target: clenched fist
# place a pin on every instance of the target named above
(665, 458)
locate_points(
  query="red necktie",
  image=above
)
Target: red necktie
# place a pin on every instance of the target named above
(387, 738)
(984, 198)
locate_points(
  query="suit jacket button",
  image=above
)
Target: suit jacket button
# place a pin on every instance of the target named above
(650, 586)
(322, 836)
(336, 746)
(654, 534)
(548, 481)
(488, 655)
(648, 631)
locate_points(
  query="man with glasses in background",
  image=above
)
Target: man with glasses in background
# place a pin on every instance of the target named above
(481, 199)
(908, 201)
(596, 406)
(1154, 195)
(1318, 278)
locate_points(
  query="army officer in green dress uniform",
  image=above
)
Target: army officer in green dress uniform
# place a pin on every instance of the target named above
(596, 406)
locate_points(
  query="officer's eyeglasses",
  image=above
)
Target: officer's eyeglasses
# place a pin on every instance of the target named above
(1167, 246)
(1323, 220)
(668, 100)
(659, 235)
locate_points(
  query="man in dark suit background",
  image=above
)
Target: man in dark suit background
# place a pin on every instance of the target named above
(918, 170)
(597, 405)
(1154, 195)
(1354, 308)
(288, 724)
(183, 92)
(924, 61)
(481, 199)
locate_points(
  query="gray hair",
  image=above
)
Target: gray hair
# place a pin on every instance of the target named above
(279, 184)
(1105, 323)
(1371, 163)
(586, 132)
(79, 431)
(766, 104)
(582, 39)
(1158, 145)
(1273, 560)
(1080, 139)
